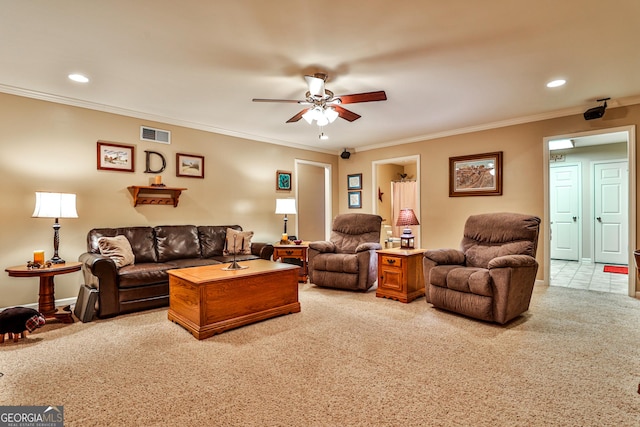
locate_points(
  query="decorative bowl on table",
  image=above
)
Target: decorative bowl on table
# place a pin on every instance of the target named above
(297, 242)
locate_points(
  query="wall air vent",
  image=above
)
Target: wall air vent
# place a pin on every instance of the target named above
(155, 135)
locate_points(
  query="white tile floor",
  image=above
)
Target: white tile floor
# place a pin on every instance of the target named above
(589, 276)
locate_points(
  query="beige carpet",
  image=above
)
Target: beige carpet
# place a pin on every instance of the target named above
(348, 359)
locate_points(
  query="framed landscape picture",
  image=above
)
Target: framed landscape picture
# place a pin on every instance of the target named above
(355, 199)
(116, 157)
(189, 165)
(476, 175)
(283, 181)
(354, 182)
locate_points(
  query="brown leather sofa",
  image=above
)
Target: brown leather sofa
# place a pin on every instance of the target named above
(491, 276)
(145, 284)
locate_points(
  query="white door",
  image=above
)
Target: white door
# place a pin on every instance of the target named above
(564, 204)
(610, 208)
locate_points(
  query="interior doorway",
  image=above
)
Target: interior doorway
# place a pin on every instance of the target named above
(603, 162)
(383, 173)
(313, 221)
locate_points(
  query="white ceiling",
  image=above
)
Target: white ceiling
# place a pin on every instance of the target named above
(446, 66)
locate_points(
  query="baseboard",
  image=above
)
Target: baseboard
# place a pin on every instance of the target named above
(59, 303)
(586, 261)
(539, 282)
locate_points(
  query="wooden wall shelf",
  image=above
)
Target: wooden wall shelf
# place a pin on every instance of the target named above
(155, 195)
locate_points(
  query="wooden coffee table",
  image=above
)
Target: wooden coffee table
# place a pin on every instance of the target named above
(209, 300)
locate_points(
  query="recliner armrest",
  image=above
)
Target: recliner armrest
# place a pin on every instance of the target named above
(323, 246)
(445, 256)
(368, 246)
(512, 261)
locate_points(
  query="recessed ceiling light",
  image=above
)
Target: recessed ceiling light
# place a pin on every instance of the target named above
(78, 78)
(556, 83)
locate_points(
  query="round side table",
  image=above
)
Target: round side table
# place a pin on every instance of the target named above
(47, 300)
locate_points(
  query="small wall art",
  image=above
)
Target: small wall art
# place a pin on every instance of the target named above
(355, 199)
(189, 165)
(283, 181)
(354, 181)
(476, 175)
(116, 157)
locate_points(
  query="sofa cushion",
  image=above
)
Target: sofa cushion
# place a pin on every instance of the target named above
(470, 280)
(480, 255)
(192, 262)
(177, 242)
(143, 274)
(118, 249)
(212, 239)
(344, 263)
(142, 240)
(238, 242)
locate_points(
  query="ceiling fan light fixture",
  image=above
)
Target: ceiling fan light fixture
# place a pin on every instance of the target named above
(331, 114)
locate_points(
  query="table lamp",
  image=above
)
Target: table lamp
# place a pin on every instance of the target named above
(285, 206)
(407, 218)
(55, 205)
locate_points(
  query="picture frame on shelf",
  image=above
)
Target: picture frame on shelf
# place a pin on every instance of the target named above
(115, 157)
(355, 199)
(189, 165)
(283, 181)
(354, 181)
(476, 175)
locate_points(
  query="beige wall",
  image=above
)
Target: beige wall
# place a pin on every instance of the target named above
(442, 217)
(51, 147)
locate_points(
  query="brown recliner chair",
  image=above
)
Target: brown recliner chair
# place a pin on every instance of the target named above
(491, 277)
(349, 260)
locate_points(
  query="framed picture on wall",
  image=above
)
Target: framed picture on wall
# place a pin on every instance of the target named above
(283, 181)
(476, 175)
(354, 182)
(116, 157)
(189, 165)
(355, 199)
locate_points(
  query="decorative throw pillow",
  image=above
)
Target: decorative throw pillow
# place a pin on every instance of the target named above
(238, 242)
(118, 249)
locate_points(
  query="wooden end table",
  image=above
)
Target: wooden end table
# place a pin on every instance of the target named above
(298, 252)
(47, 300)
(400, 275)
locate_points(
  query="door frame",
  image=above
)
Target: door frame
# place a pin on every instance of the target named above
(631, 155)
(580, 213)
(328, 191)
(374, 188)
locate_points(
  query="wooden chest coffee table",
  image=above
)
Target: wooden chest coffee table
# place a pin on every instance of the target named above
(209, 300)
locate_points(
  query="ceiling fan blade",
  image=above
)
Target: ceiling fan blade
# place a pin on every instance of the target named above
(316, 86)
(346, 114)
(291, 101)
(297, 116)
(363, 97)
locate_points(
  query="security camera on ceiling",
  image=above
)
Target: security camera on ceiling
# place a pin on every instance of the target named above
(345, 154)
(596, 112)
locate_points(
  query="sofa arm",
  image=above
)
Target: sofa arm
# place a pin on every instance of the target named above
(512, 261)
(262, 250)
(323, 246)
(445, 256)
(101, 272)
(368, 246)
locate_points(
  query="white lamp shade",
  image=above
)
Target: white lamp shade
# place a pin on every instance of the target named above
(55, 205)
(286, 206)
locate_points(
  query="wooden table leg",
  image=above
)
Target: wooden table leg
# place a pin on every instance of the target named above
(47, 302)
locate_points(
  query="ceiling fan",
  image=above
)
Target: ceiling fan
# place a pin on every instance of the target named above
(323, 106)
